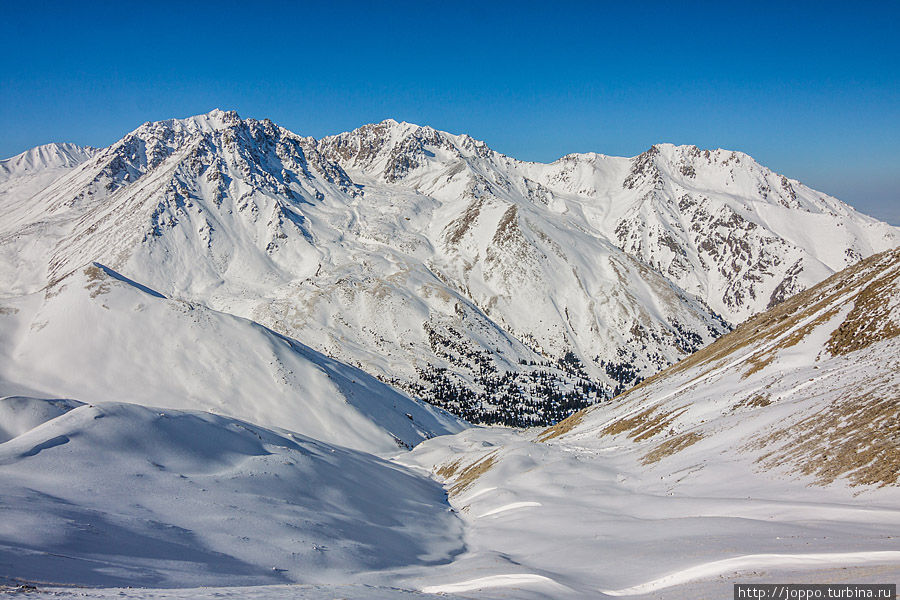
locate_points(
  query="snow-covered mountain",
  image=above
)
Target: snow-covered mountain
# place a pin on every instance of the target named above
(41, 158)
(506, 291)
(720, 225)
(28, 173)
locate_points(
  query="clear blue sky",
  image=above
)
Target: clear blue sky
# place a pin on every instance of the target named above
(811, 90)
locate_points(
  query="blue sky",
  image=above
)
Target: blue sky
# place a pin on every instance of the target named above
(811, 90)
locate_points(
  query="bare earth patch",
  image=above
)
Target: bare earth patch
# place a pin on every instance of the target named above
(671, 446)
(644, 424)
(564, 426)
(97, 281)
(872, 318)
(464, 476)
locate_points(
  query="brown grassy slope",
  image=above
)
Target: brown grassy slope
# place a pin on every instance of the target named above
(463, 476)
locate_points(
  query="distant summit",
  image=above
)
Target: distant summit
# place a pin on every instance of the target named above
(48, 156)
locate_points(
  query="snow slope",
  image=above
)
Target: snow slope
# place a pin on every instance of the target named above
(119, 494)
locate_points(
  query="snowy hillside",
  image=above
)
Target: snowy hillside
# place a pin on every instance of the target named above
(809, 389)
(97, 336)
(507, 292)
(770, 455)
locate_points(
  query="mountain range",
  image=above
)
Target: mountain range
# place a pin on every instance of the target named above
(504, 291)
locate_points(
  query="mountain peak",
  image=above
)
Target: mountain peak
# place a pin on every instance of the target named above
(214, 120)
(434, 238)
(47, 156)
(221, 114)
